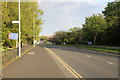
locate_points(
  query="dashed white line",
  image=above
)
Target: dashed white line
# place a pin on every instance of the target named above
(109, 62)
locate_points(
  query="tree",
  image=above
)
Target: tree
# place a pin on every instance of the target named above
(30, 18)
(76, 34)
(93, 26)
(72, 36)
(8, 15)
(112, 16)
(59, 37)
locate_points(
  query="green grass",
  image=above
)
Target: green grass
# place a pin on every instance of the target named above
(95, 47)
(99, 49)
(68, 45)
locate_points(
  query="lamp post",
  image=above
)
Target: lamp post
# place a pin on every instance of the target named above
(19, 54)
(19, 32)
(33, 29)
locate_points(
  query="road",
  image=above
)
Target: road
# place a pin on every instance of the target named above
(40, 63)
(89, 64)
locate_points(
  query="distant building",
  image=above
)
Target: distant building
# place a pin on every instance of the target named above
(45, 39)
(49, 37)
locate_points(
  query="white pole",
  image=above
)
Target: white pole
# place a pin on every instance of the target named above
(19, 32)
(34, 29)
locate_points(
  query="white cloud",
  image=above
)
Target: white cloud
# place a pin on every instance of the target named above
(65, 15)
(75, 0)
(66, 0)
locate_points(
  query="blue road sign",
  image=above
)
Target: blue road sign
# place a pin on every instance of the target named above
(13, 36)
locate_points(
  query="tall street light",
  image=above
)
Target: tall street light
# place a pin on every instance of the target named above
(19, 32)
(34, 29)
(19, 54)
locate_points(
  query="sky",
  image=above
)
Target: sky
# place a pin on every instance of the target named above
(63, 14)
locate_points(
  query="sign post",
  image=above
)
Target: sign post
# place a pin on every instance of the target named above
(13, 36)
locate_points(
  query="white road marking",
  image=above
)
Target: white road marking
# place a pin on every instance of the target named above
(30, 53)
(109, 62)
(88, 56)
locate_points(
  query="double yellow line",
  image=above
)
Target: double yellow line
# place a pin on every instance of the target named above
(72, 71)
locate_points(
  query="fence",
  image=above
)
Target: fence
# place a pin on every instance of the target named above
(12, 53)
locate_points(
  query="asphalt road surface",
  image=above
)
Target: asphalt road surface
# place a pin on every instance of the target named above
(39, 63)
(88, 64)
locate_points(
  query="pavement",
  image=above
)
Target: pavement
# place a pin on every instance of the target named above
(37, 63)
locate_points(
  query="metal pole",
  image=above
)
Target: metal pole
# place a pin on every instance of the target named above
(19, 32)
(34, 30)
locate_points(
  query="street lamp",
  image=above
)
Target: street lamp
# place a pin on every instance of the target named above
(34, 29)
(19, 32)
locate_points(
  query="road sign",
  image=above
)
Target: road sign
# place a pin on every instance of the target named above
(13, 36)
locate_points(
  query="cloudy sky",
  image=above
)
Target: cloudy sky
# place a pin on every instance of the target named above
(63, 14)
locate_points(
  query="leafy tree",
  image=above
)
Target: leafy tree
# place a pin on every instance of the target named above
(76, 34)
(72, 36)
(7, 26)
(112, 16)
(30, 21)
(59, 37)
(93, 26)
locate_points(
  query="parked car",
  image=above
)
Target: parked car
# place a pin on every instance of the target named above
(89, 43)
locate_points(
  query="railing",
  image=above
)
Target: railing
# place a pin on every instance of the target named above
(105, 47)
(110, 49)
(12, 53)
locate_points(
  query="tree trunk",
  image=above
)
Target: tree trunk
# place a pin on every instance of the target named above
(95, 38)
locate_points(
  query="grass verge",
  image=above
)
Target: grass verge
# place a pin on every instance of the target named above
(99, 49)
(107, 49)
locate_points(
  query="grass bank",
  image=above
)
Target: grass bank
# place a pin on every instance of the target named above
(108, 49)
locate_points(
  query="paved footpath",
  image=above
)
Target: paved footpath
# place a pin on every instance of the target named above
(37, 63)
